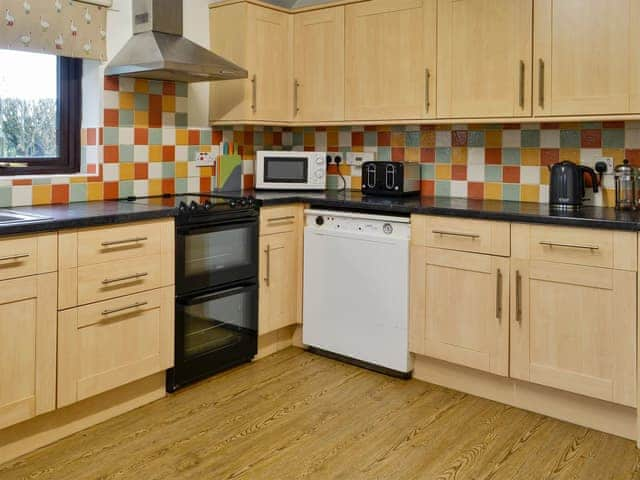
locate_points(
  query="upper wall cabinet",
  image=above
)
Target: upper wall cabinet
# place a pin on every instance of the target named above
(484, 58)
(586, 57)
(390, 60)
(260, 40)
(319, 65)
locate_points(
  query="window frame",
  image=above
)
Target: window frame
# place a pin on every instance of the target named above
(68, 128)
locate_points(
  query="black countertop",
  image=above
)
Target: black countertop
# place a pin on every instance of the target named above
(87, 214)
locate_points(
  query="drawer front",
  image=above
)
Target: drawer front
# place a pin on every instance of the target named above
(108, 244)
(280, 219)
(27, 255)
(109, 344)
(476, 236)
(115, 279)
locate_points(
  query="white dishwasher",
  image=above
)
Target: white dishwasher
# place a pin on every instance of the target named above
(356, 288)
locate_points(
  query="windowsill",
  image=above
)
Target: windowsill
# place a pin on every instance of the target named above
(47, 176)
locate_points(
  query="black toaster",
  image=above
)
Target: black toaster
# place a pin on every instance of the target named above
(390, 178)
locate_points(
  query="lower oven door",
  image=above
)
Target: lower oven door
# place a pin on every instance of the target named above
(215, 254)
(214, 331)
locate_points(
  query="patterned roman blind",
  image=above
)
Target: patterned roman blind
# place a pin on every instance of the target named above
(69, 28)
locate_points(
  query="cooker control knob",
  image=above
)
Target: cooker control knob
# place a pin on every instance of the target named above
(182, 208)
(319, 221)
(320, 160)
(243, 202)
(233, 204)
(207, 204)
(387, 228)
(193, 206)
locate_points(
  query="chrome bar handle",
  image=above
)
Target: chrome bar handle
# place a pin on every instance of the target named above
(267, 278)
(135, 276)
(281, 219)
(122, 309)
(13, 165)
(472, 236)
(518, 297)
(499, 295)
(15, 257)
(541, 83)
(254, 94)
(569, 245)
(521, 91)
(427, 79)
(115, 243)
(296, 107)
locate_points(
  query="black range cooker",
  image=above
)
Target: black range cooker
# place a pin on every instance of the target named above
(216, 316)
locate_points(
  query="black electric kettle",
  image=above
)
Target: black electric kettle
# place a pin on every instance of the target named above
(566, 185)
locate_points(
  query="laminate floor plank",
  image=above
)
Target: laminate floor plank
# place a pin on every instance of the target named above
(296, 415)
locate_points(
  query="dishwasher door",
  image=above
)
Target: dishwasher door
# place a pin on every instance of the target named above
(356, 294)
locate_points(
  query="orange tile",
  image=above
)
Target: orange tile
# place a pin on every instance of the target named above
(544, 176)
(248, 181)
(458, 172)
(493, 138)
(112, 83)
(427, 188)
(155, 153)
(155, 186)
(194, 137)
(205, 184)
(428, 138)
(141, 86)
(459, 155)
(182, 137)
(141, 119)
(126, 100)
(182, 169)
(168, 186)
(475, 190)
(530, 156)
(111, 117)
(60, 193)
(126, 171)
(21, 182)
(412, 154)
(168, 103)
(356, 183)
(529, 193)
(141, 136)
(309, 139)
(111, 154)
(571, 154)
(141, 171)
(168, 153)
(493, 191)
(111, 190)
(443, 172)
(95, 191)
(332, 138)
(397, 139)
(618, 154)
(216, 137)
(41, 194)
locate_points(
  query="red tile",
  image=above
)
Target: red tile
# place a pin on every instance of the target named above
(111, 154)
(425, 128)
(155, 111)
(21, 182)
(111, 190)
(332, 169)
(92, 136)
(101, 136)
(216, 137)
(633, 155)
(168, 153)
(549, 156)
(95, 178)
(458, 172)
(168, 186)
(427, 188)
(397, 154)
(205, 184)
(475, 190)
(168, 88)
(384, 139)
(613, 124)
(427, 155)
(550, 126)
(60, 193)
(248, 182)
(511, 126)
(141, 171)
(112, 83)
(459, 138)
(591, 138)
(357, 139)
(370, 128)
(110, 117)
(511, 174)
(194, 137)
(277, 139)
(141, 136)
(493, 156)
(248, 138)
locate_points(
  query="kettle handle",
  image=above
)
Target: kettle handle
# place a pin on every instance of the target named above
(594, 177)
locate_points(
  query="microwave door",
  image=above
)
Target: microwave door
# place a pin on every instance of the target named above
(285, 170)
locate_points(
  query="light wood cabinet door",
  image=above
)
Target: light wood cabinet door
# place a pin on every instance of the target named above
(459, 305)
(105, 345)
(27, 348)
(573, 328)
(279, 281)
(586, 57)
(484, 58)
(390, 60)
(319, 65)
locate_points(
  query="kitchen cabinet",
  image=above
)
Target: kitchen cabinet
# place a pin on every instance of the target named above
(390, 60)
(259, 39)
(573, 316)
(280, 302)
(319, 65)
(484, 58)
(586, 59)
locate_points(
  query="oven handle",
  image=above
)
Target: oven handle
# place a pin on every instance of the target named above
(187, 229)
(216, 295)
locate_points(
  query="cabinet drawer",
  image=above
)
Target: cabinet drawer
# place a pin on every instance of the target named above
(105, 345)
(577, 246)
(476, 236)
(280, 219)
(27, 255)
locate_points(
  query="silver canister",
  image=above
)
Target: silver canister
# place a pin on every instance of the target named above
(625, 178)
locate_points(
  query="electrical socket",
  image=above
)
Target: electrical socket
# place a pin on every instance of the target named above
(608, 161)
(356, 159)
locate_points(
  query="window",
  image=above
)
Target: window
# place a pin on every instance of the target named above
(40, 113)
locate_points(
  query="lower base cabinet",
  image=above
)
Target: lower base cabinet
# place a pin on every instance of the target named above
(108, 344)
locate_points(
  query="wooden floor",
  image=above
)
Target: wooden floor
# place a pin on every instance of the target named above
(296, 415)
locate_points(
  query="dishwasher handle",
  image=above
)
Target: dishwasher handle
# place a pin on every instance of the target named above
(363, 237)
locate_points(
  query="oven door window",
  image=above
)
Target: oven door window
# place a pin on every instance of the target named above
(215, 322)
(286, 169)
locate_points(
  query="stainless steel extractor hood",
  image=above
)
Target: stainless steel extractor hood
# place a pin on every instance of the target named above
(158, 51)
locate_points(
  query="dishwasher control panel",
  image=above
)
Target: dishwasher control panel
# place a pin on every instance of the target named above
(356, 223)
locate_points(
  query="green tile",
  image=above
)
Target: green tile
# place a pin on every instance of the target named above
(298, 138)
(492, 173)
(530, 138)
(111, 136)
(5, 196)
(205, 137)
(168, 170)
(443, 154)
(181, 185)
(125, 153)
(511, 192)
(155, 136)
(412, 139)
(155, 87)
(125, 118)
(569, 139)
(182, 89)
(141, 101)
(398, 128)
(125, 188)
(591, 125)
(493, 126)
(475, 138)
(370, 139)
(182, 120)
(258, 139)
(427, 171)
(41, 181)
(78, 192)
(333, 181)
(193, 151)
(443, 189)
(511, 156)
(613, 138)
(384, 154)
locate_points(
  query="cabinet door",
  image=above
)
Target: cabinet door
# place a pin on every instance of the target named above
(105, 345)
(484, 58)
(319, 65)
(460, 308)
(270, 38)
(279, 281)
(27, 348)
(584, 54)
(573, 328)
(390, 59)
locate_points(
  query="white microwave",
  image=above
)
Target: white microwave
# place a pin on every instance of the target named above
(277, 170)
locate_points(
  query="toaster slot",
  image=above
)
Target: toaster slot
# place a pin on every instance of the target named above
(371, 175)
(390, 177)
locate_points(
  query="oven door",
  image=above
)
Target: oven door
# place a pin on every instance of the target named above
(283, 170)
(214, 331)
(216, 254)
